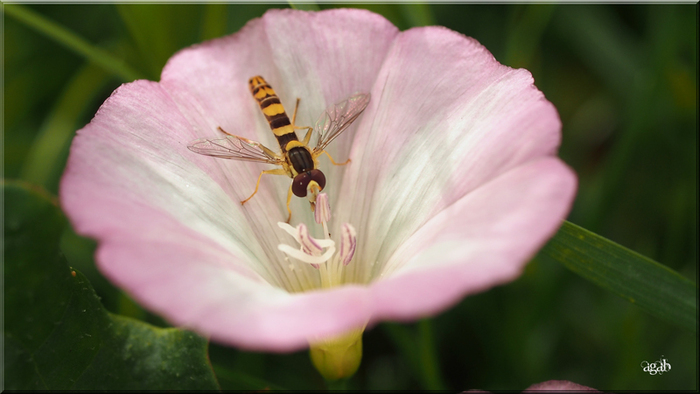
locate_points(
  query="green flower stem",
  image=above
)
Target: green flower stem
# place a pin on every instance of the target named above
(72, 41)
(428, 356)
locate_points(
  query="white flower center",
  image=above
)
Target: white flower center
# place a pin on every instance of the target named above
(311, 251)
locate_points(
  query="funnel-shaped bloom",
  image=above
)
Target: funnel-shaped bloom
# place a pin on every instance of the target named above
(453, 185)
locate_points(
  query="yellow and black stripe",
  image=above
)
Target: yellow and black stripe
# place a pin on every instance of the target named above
(274, 112)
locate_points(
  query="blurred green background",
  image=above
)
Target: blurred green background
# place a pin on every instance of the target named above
(624, 79)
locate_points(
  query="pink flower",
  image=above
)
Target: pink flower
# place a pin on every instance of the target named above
(559, 385)
(454, 182)
(551, 385)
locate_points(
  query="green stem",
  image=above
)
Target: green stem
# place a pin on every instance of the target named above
(337, 385)
(428, 356)
(72, 41)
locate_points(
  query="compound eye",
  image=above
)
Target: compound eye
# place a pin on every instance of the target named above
(317, 175)
(299, 184)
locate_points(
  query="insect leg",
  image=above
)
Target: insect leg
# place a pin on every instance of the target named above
(307, 137)
(294, 120)
(296, 107)
(276, 171)
(333, 161)
(289, 200)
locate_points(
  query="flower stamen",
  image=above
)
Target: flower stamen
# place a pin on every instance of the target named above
(330, 266)
(348, 242)
(322, 209)
(311, 250)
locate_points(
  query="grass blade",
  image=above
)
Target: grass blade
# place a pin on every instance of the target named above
(653, 287)
(42, 163)
(72, 41)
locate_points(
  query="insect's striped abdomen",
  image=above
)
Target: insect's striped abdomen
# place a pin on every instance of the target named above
(274, 111)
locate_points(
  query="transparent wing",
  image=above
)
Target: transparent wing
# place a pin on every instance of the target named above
(235, 148)
(338, 117)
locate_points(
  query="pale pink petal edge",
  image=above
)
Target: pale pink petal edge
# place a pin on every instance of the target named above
(550, 385)
(475, 258)
(559, 385)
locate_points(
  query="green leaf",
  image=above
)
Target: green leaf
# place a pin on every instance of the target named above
(653, 287)
(72, 41)
(58, 336)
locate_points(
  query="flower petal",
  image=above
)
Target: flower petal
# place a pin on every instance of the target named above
(559, 385)
(550, 385)
(482, 240)
(192, 283)
(132, 155)
(170, 226)
(321, 57)
(445, 118)
(337, 53)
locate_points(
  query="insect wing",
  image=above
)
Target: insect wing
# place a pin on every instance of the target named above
(232, 147)
(338, 117)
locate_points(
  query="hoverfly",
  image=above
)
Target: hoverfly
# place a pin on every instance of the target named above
(297, 160)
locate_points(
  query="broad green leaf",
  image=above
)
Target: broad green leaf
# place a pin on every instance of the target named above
(72, 41)
(653, 287)
(57, 334)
